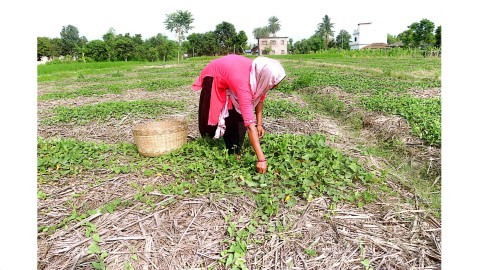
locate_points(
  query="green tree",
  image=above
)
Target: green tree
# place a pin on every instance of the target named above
(226, 35)
(152, 54)
(392, 39)
(315, 43)
(343, 39)
(97, 50)
(438, 37)
(290, 45)
(260, 32)
(325, 29)
(180, 23)
(273, 25)
(70, 40)
(124, 47)
(210, 44)
(55, 47)
(44, 47)
(195, 43)
(407, 38)
(82, 47)
(240, 41)
(423, 35)
(109, 39)
(165, 48)
(302, 47)
(419, 35)
(137, 39)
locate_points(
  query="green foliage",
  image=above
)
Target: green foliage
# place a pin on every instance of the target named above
(325, 30)
(423, 115)
(166, 83)
(70, 40)
(273, 25)
(41, 195)
(237, 248)
(343, 39)
(419, 35)
(281, 108)
(84, 92)
(261, 32)
(54, 68)
(179, 22)
(112, 110)
(299, 166)
(352, 80)
(226, 36)
(69, 156)
(311, 252)
(327, 103)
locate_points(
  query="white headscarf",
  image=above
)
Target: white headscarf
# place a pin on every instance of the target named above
(265, 74)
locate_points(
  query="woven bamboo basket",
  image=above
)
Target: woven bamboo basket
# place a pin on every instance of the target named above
(157, 138)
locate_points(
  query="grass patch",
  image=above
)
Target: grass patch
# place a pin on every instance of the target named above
(282, 108)
(166, 83)
(414, 176)
(112, 110)
(351, 81)
(423, 115)
(85, 92)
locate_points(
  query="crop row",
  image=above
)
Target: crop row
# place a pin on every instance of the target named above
(299, 167)
(112, 110)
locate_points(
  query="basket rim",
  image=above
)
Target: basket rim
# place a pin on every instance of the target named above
(160, 127)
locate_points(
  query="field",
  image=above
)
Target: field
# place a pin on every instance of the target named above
(354, 178)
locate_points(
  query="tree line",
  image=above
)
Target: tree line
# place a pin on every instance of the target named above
(224, 39)
(419, 35)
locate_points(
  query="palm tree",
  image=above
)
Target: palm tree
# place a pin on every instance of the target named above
(260, 32)
(325, 29)
(179, 22)
(273, 25)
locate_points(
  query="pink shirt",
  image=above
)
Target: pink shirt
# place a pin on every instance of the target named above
(229, 72)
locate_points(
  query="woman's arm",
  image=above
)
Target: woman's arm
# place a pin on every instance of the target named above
(258, 114)
(254, 141)
(246, 107)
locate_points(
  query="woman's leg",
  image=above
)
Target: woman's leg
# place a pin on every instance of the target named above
(204, 109)
(234, 132)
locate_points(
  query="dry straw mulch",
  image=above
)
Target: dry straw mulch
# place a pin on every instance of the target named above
(190, 234)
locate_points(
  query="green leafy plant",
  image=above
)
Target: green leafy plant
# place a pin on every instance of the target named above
(282, 108)
(423, 115)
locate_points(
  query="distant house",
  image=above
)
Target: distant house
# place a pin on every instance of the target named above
(368, 34)
(271, 46)
(396, 44)
(376, 46)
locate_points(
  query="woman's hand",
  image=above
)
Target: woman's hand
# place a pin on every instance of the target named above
(253, 137)
(260, 131)
(262, 166)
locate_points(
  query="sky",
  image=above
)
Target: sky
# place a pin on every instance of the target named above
(299, 19)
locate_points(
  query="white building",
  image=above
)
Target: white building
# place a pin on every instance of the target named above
(272, 45)
(367, 34)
